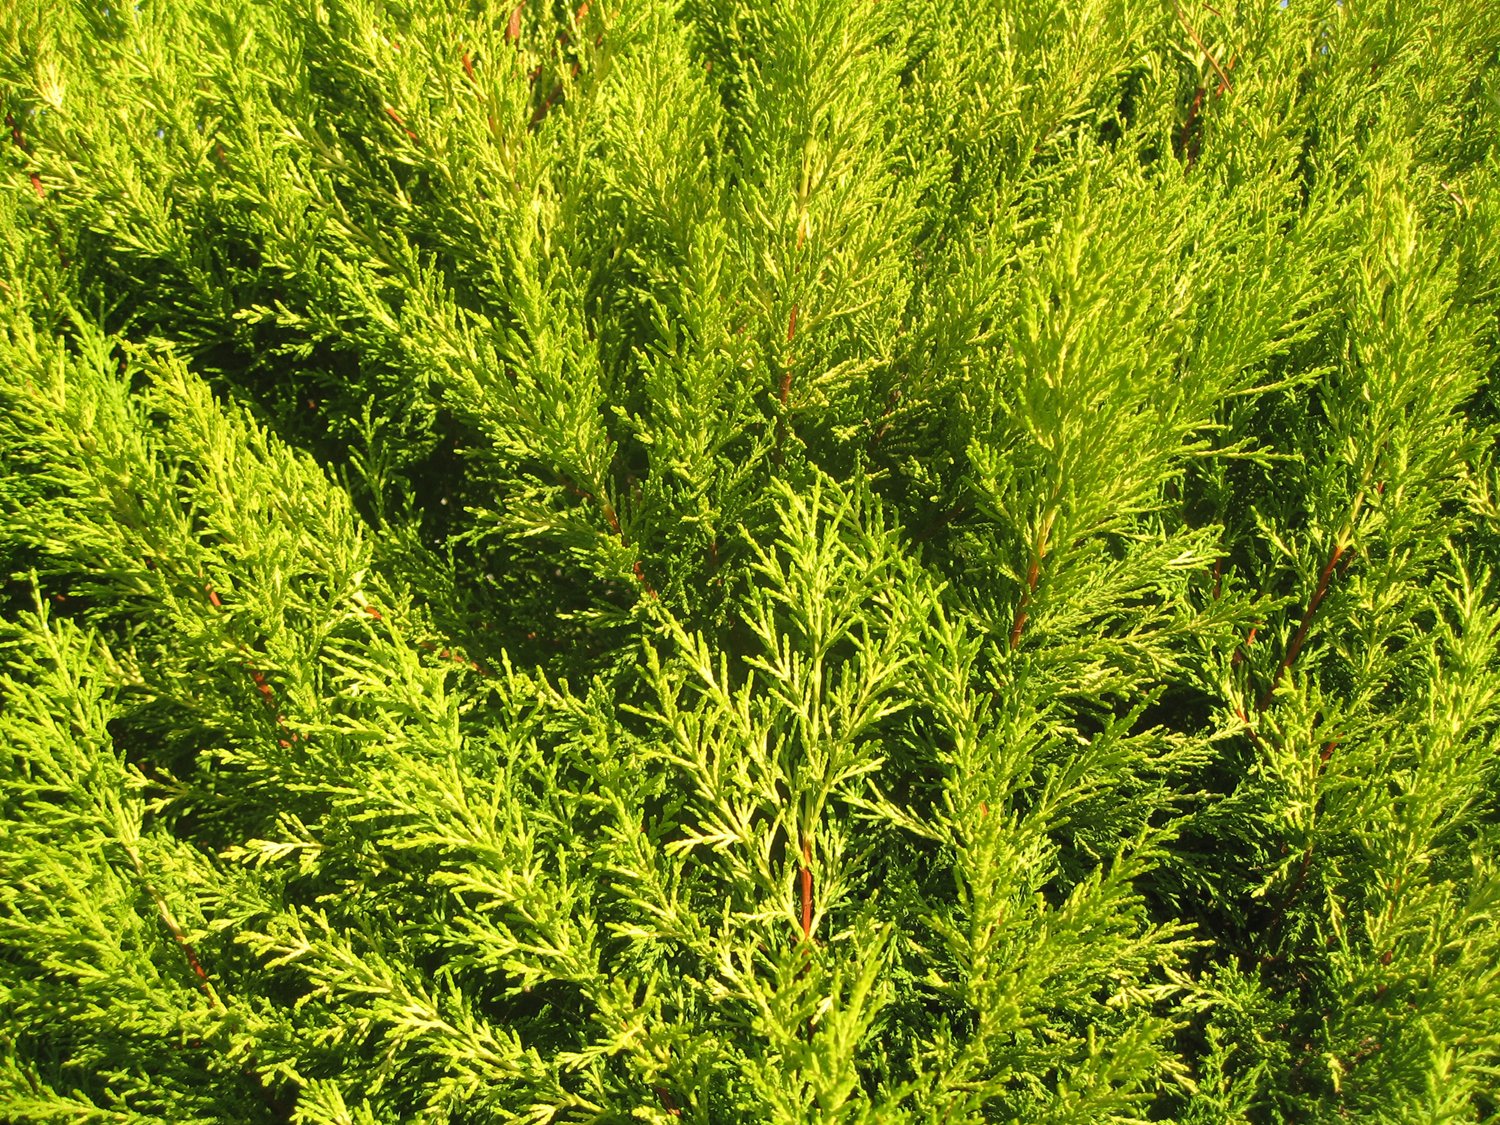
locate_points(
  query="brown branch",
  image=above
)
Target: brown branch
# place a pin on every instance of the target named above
(396, 117)
(20, 142)
(1239, 653)
(1219, 70)
(786, 375)
(541, 111)
(640, 576)
(1022, 607)
(1307, 853)
(807, 890)
(1188, 141)
(1250, 730)
(892, 401)
(612, 518)
(1295, 647)
(169, 920)
(663, 1095)
(256, 674)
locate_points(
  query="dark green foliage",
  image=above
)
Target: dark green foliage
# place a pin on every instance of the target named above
(750, 561)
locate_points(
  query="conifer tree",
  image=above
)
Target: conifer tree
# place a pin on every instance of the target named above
(750, 561)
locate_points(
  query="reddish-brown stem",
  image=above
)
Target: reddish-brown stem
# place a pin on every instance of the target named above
(890, 408)
(1296, 887)
(1188, 142)
(1224, 79)
(188, 952)
(1295, 647)
(1018, 626)
(469, 67)
(1250, 730)
(784, 393)
(20, 143)
(664, 1096)
(261, 686)
(396, 117)
(259, 677)
(807, 890)
(1187, 126)
(786, 375)
(1239, 653)
(1307, 853)
(612, 518)
(164, 912)
(541, 111)
(1219, 70)
(640, 576)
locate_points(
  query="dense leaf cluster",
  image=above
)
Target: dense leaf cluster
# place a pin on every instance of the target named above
(749, 561)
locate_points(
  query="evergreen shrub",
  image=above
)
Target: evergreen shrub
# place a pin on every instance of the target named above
(749, 561)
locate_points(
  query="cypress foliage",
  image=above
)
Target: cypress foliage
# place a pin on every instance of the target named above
(750, 561)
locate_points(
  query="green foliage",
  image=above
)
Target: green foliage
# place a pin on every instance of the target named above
(750, 561)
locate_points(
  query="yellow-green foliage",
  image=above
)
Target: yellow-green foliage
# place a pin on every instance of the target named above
(749, 561)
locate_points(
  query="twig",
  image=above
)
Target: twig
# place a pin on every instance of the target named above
(612, 518)
(664, 1096)
(1239, 653)
(1307, 853)
(1033, 572)
(807, 890)
(786, 375)
(1219, 70)
(1024, 605)
(396, 117)
(784, 394)
(169, 920)
(1295, 647)
(20, 142)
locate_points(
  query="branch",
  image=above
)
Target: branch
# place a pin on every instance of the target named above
(1033, 571)
(807, 890)
(1293, 649)
(1219, 70)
